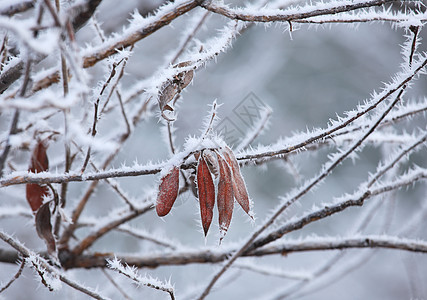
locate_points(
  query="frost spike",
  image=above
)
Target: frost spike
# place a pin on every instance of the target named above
(168, 192)
(239, 187)
(225, 198)
(206, 193)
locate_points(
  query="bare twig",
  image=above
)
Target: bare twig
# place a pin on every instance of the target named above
(117, 286)
(16, 276)
(149, 282)
(95, 114)
(190, 37)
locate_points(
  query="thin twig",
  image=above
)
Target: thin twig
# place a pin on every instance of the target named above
(121, 291)
(119, 77)
(15, 277)
(190, 37)
(95, 113)
(132, 274)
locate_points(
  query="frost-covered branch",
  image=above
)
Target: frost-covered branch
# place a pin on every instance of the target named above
(80, 13)
(340, 204)
(292, 14)
(139, 29)
(333, 243)
(132, 273)
(41, 265)
(352, 116)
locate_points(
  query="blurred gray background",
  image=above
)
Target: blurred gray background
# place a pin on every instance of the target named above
(306, 77)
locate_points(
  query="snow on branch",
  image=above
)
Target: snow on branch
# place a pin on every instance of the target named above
(138, 29)
(131, 272)
(402, 19)
(327, 209)
(300, 140)
(42, 266)
(337, 243)
(43, 45)
(291, 14)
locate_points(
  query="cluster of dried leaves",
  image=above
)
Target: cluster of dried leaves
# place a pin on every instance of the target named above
(218, 176)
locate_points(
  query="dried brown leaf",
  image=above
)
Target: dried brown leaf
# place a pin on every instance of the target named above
(168, 192)
(239, 186)
(225, 198)
(35, 193)
(212, 162)
(171, 89)
(206, 191)
(44, 228)
(39, 161)
(184, 78)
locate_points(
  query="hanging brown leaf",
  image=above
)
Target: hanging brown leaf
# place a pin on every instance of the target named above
(168, 192)
(206, 192)
(167, 93)
(39, 162)
(44, 228)
(239, 186)
(225, 197)
(172, 88)
(35, 195)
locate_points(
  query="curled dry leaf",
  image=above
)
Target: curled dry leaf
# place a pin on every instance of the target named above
(168, 192)
(225, 197)
(171, 89)
(206, 193)
(239, 186)
(39, 162)
(167, 93)
(184, 78)
(44, 228)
